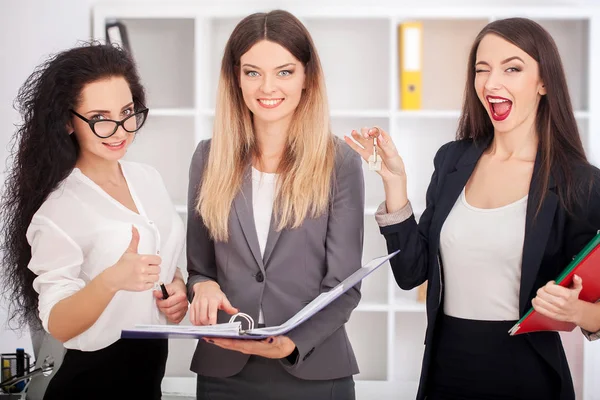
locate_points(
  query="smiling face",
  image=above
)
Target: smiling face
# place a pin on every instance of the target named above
(507, 83)
(272, 80)
(104, 99)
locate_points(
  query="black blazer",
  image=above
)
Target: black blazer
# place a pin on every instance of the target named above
(551, 240)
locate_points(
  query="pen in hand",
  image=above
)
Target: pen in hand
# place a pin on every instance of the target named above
(165, 294)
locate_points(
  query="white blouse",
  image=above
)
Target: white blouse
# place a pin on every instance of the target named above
(263, 196)
(80, 231)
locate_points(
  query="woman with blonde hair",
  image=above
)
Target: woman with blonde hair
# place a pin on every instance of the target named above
(275, 218)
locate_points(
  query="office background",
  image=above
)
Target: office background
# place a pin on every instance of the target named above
(393, 320)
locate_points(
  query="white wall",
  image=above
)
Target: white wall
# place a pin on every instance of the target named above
(47, 26)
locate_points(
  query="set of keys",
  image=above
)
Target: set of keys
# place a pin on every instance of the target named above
(375, 159)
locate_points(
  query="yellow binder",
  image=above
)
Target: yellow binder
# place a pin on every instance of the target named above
(410, 51)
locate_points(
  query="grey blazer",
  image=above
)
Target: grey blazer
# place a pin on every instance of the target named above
(298, 265)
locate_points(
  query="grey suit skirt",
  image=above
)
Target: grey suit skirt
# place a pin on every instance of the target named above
(266, 379)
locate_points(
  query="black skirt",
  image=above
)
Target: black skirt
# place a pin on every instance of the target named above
(480, 360)
(266, 379)
(127, 369)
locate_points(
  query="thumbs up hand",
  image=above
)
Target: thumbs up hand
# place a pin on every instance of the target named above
(135, 241)
(134, 272)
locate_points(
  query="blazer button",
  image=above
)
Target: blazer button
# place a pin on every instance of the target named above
(259, 276)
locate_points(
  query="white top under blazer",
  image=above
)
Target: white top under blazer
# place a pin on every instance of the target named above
(482, 252)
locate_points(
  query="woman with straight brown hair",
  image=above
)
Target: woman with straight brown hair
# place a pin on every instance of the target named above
(275, 209)
(510, 202)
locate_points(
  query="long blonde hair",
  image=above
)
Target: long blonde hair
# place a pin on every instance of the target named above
(306, 168)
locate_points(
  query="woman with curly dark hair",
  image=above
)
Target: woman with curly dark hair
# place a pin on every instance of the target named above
(86, 236)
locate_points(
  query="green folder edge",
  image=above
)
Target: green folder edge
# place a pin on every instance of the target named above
(578, 258)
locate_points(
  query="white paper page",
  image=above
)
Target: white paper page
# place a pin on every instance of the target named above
(323, 299)
(233, 327)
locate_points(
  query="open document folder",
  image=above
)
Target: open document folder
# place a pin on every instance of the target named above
(234, 329)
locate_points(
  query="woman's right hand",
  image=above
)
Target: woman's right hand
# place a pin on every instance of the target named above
(208, 299)
(392, 170)
(392, 166)
(133, 272)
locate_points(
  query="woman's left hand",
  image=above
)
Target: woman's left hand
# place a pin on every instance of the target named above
(176, 306)
(560, 303)
(273, 347)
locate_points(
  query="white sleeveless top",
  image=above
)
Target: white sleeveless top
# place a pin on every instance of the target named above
(482, 252)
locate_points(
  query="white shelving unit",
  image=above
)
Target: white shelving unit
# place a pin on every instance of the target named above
(179, 46)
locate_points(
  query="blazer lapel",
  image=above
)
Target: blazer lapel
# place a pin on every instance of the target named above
(455, 181)
(242, 204)
(537, 231)
(271, 239)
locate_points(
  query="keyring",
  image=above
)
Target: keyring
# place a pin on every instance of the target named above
(246, 317)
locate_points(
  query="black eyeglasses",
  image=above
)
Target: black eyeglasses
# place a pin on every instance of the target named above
(105, 128)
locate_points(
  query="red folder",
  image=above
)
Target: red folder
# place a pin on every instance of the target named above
(587, 265)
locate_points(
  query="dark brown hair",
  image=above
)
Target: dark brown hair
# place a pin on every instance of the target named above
(560, 146)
